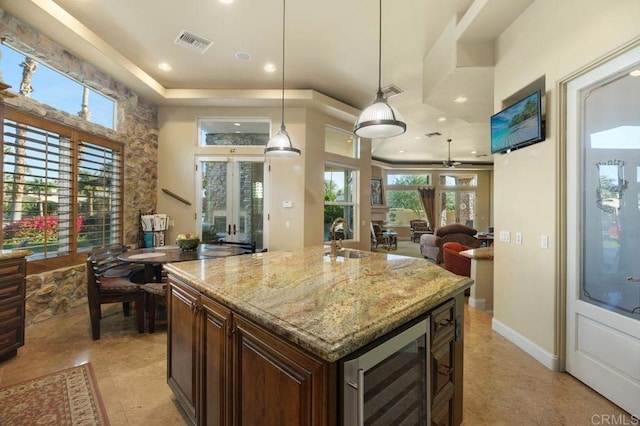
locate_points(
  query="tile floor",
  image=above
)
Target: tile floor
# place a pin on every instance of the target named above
(502, 384)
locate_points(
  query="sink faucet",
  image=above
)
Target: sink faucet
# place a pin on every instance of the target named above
(334, 244)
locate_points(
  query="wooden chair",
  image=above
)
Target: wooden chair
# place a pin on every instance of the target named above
(108, 282)
(156, 294)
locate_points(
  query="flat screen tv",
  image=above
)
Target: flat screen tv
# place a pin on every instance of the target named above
(519, 125)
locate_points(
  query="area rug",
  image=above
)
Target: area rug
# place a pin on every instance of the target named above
(405, 248)
(67, 397)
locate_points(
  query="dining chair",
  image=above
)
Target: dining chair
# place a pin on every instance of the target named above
(156, 294)
(108, 282)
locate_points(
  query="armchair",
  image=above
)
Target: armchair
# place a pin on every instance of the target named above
(376, 234)
(431, 244)
(417, 228)
(453, 261)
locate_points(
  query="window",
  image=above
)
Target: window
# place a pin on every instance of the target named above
(337, 141)
(458, 179)
(339, 185)
(402, 196)
(62, 188)
(233, 131)
(44, 84)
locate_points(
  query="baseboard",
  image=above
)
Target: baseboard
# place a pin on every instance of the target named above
(544, 357)
(478, 303)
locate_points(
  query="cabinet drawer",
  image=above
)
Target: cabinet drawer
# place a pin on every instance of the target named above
(442, 410)
(11, 315)
(11, 339)
(11, 267)
(443, 321)
(13, 288)
(442, 363)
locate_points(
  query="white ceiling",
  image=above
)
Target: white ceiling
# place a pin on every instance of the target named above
(331, 47)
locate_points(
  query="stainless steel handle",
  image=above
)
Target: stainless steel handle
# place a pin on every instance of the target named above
(234, 229)
(229, 229)
(360, 397)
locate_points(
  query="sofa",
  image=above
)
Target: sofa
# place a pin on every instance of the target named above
(431, 244)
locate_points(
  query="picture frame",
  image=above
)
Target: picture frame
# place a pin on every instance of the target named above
(377, 196)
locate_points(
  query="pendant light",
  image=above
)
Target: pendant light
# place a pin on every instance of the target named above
(379, 120)
(280, 145)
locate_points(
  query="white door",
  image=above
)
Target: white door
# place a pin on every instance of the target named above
(603, 229)
(231, 201)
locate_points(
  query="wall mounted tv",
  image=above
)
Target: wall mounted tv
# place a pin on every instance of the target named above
(519, 125)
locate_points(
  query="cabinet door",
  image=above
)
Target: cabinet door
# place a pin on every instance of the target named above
(216, 364)
(182, 353)
(275, 383)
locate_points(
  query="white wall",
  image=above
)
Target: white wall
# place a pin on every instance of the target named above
(552, 38)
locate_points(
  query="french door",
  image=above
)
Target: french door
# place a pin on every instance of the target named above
(603, 229)
(231, 201)
(457, 206)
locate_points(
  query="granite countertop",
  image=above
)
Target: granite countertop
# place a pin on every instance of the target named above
(14, 254)
(331, 307)
(482, 253)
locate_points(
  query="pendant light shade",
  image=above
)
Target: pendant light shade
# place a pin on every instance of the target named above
(379, 120)
(280, 145)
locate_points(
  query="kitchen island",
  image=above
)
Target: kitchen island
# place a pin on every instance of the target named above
(258, 339)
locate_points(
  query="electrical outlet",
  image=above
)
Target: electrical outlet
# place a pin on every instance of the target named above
(518, 237)
(287, 224)
(505, 236)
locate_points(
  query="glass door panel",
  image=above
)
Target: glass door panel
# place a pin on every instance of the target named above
(611, 210)
(232, 202)
(457, 206)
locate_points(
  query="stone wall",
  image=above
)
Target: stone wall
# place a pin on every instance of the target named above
(56, 291)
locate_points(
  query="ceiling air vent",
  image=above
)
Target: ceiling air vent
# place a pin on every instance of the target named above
(432, 134)
(391, 90)
(192, 41)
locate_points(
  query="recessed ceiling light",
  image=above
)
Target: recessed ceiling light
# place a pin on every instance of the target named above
(270, 67)
(401, 151)
(243, 56)
(441, 119)
(460, 99)
(635, 73)
(238, 131)
(417, 138)
(474, 152)
(226, 1)
(236, 124)
(164, 66)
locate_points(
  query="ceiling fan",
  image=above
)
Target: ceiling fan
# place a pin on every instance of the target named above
(448, 163)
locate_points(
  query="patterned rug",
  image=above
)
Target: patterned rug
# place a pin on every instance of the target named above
(68, 397)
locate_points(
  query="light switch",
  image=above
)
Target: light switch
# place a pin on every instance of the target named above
(287, 224)
(505, 236)
(518, 237)
(287, 204)
(544, 241)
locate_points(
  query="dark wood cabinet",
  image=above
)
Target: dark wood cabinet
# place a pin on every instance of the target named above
(446, 365)
(12, 306)
(226, 370)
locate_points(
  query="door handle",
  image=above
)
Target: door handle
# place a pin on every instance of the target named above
(234, 229)
(633, 280)
(229, 229)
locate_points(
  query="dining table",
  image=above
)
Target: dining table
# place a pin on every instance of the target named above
(152, 257)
